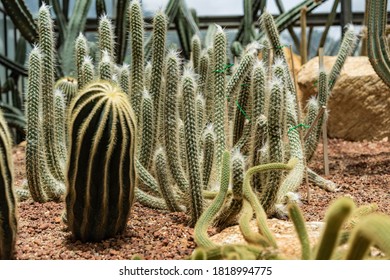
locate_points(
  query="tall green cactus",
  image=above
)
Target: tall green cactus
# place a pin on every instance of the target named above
(46, 44)
(160, 26)
(100, 172)
(8, 218)
(41, 182)
(268, 195)
(195, 178)
(219, 74)
(81, 51)
(137, 55)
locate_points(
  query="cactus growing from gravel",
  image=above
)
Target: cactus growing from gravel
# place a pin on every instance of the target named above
(100, 172)
(8, 212)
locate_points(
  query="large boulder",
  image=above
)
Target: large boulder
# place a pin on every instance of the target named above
(359, 105)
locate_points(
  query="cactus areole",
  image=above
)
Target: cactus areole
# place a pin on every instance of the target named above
(100, 174)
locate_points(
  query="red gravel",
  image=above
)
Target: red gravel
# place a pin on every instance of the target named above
(361, 169)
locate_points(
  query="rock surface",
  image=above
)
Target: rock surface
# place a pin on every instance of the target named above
(359, 104)
(283, 231)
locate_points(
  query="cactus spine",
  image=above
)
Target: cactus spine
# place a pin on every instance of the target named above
(101, 168)
(8, 219)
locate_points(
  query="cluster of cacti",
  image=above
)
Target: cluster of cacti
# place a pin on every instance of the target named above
(74, 122)
(8, 220)
(186, 119)
(348, 233)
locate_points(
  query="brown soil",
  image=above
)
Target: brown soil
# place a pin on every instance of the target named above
(361, 170)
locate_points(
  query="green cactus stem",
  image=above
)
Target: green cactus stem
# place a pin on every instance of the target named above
(347, 46)
(160, 26)
(150, 201)
(124, 79)
(377, 45)
(137, 55)
(105, 67)
(59, 121)
(228, 215)
(297, 218)
(219, 62)
(46, 44)
(275, 154)
(195, 49)
(88, 73)
(147, 116)
(372, 230)
(164, 181)
(195, 179)
(172, 135)
(8, 211)
(335, 216)
(249, 195)
(205, 220)
(40, 180)
(101, 174)
(106, 37)
(68, 86)
(208, 154)
(81, 50)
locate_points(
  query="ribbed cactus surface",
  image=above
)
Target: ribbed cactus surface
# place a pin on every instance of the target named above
(100, 173)
(8, 220)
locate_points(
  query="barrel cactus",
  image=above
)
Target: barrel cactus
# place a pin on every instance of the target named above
(8, 221)
(100, 172)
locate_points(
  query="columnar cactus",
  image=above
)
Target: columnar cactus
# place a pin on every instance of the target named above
(8, 219)
(196, 50)
(41, 182)
(137, 55)
(106, 37)
(160, 26)
(268, 195)
(46, 44)
(81, 50)
(195, 179)
(100, 172)
(170, 124)
(219, 62)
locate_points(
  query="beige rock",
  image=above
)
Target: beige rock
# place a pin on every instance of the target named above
(359, 104)
(284, 232)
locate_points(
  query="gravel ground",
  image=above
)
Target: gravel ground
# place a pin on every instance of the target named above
(361, 169)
